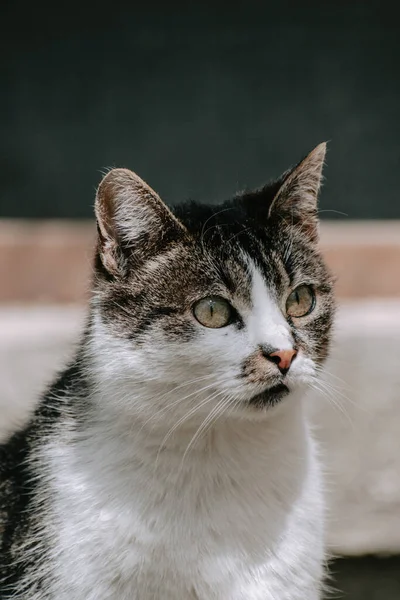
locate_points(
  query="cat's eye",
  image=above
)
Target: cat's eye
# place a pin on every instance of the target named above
(213, 312)
(301, 301)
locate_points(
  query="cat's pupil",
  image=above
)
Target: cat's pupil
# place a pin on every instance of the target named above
(213, 312)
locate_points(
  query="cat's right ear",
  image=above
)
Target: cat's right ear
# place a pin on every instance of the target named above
(133, 223)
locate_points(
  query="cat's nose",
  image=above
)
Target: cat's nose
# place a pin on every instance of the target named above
(283, 359)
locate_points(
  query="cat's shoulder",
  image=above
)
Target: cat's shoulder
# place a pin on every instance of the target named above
(51, 408)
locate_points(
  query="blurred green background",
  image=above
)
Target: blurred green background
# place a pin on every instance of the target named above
(366, 578)
(203, 99)
(200, 98)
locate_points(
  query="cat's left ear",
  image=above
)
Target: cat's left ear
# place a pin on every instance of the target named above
(133, 222)
(296, 200)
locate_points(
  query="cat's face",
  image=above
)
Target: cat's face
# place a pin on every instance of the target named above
(225, 307)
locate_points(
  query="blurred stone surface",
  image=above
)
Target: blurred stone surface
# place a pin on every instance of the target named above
(34, 343)
(356, 412)
(357, 420)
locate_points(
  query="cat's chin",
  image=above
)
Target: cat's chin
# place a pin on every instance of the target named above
(269, 397)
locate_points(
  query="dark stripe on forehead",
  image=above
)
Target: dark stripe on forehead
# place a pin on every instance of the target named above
(226, 276)
(290, 266)
(143, 324)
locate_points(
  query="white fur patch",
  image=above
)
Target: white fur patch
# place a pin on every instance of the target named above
(267, 325)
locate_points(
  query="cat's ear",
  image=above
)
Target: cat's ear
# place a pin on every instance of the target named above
(296, 199)
(132, 221)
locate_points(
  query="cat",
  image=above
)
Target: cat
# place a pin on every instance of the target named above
(173, 459)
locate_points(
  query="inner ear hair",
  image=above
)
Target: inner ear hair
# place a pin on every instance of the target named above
(296, 199)
(132, 220)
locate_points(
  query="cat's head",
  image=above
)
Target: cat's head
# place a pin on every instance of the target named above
(209, 305)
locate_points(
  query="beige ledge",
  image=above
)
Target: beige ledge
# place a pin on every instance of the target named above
(51, 261)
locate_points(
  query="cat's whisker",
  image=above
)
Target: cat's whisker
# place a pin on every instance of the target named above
(215, 214)
(208, 422)
(165, 394)
(185, 384)
(333, 388)
(216, 226)
(175, 403)
(182, 399)
(331, 400)
(236, 235)
(182, 420)
(324, 371)
(334, 399)
(338, 392)
(289, 247)
(331, 210)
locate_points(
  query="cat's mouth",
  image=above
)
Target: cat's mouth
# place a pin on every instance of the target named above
(270, 397)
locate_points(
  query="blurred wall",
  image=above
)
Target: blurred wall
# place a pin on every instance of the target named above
(199, 98)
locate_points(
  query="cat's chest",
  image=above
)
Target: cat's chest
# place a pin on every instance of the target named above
(116, 554)
(200, 513)
(117, 540)
(125, 529)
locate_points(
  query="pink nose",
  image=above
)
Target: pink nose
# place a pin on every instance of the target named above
(283, 359)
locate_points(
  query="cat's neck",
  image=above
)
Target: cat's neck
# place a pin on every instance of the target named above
(180, 445)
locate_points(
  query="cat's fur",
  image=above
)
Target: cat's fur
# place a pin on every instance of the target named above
(153, 469)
